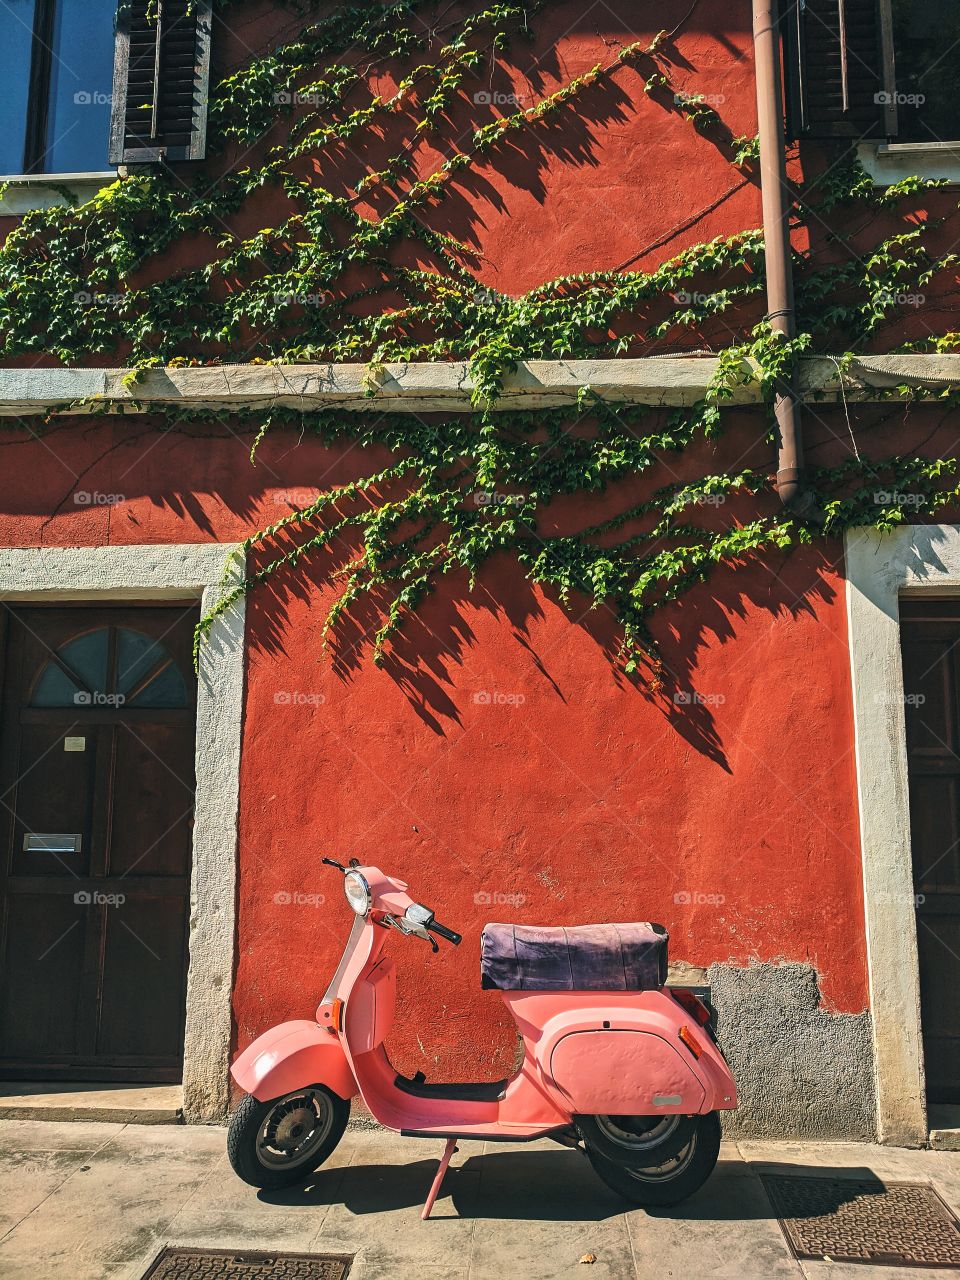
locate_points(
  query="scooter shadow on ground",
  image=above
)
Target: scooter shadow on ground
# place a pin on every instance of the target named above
(721, 1199)
(547, 1186)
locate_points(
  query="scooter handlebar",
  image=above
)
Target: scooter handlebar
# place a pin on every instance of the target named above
(442, 931)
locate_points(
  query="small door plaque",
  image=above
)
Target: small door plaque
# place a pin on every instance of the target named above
(74, 744)
(56, 843)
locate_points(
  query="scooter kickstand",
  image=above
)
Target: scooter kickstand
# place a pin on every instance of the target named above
(448, 1151)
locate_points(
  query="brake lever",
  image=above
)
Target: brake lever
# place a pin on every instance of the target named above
(331, 863)
(399, 923)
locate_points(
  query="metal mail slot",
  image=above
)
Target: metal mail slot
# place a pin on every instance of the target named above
(34, 843)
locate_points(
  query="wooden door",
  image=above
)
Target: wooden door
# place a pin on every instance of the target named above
(96, 807)
(931, 668)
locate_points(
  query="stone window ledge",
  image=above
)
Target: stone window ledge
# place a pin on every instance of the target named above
(890, 162)
(428, 387)
(49, 190)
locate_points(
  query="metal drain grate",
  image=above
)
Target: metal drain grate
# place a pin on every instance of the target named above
(233, 1264)
(865, 1220)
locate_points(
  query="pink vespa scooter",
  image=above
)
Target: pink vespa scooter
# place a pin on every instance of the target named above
(612, 1058)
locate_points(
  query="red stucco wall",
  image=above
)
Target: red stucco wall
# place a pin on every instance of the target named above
(590, 797)
(571, 795)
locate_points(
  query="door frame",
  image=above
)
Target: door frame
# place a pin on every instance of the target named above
(881, 568)
(187, 572)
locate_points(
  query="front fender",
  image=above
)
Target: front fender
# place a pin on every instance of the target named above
(292, 1056)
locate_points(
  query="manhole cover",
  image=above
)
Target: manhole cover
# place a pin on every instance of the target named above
(865, 1220)
(231, 1264)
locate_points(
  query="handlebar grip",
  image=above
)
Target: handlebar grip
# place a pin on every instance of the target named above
(442, 931)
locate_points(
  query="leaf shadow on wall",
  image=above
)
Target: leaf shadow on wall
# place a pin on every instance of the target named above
(427, 658)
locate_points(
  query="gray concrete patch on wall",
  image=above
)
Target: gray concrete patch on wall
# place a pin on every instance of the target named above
(801, 1071)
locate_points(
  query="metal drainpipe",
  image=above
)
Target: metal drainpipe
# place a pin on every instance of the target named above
(776, 232)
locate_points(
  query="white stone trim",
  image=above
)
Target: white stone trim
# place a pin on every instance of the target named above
(675, 380)
(186, 572)
(880, 568)
(25, 192)
(891, 162)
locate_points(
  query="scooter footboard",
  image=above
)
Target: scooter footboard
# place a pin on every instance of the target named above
(292, 1056)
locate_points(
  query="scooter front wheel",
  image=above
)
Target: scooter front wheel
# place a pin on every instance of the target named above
(658, 1178)
(280, 1142)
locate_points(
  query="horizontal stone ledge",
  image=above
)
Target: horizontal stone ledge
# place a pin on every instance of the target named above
(669, 381)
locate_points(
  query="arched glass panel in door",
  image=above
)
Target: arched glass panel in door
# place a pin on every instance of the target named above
(141, 674)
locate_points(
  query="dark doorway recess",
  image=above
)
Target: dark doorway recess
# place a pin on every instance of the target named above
(96, 813)
(931, 677)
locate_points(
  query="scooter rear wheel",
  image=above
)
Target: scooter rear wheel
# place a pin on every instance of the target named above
(637, 1139)
(280, 1142)
(660, 1179)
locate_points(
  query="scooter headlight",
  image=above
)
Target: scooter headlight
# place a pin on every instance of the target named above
(358, 892)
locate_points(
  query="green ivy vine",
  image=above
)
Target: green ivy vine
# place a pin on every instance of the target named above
(358, 267)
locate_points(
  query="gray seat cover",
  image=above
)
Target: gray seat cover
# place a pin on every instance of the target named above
(591, 957)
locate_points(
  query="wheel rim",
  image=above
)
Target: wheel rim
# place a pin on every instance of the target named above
(669, 1169)
(295, 1128)
(638, 1134)
(665, 1170)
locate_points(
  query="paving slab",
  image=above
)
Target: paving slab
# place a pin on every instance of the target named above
(240, 1217)
(374, 1208)
(113, 1206)
(858, 1271)
(121, 1103)
(33, 1164)
(35, 1135)
(98, 1201)
(29, 1177)
(539, 1208)
(729, 1221)
(235, 1214)
(945, 1128)
(889, 1164)
(826, 1159)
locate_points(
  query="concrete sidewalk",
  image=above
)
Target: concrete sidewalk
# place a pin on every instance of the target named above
(86, 1201)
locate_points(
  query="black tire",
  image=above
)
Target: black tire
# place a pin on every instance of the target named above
(279, 1143)
(678, 1177)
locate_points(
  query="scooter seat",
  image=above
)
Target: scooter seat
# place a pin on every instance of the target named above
(591, 957)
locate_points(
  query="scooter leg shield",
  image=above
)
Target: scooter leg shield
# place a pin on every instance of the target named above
(292, 1056)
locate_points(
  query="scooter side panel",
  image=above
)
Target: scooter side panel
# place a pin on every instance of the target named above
(544, 1018)
(292, 1056)
(624, 1073)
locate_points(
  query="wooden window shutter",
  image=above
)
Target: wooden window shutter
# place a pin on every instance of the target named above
(836, 76)
(161, 78)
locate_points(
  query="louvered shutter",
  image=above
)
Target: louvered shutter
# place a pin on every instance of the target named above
(836, 73)
(161, 80)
